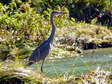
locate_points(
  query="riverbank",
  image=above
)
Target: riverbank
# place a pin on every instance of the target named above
(74, 40)
(87, 36)
(21, 75)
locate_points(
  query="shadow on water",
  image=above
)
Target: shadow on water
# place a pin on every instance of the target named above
(90, 60)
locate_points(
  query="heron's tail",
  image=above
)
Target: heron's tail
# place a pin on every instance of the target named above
(29, 63)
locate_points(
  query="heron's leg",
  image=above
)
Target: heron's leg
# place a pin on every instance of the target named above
(42, 65)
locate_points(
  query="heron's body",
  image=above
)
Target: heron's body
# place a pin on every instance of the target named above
(42, 51)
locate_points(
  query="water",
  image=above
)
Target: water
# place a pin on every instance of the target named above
(90, 60)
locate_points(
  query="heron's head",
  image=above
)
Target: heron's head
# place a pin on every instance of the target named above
(57, 13)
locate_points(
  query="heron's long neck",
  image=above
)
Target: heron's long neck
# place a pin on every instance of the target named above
(51, 37)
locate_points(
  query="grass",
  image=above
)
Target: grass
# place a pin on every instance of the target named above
(14, 71)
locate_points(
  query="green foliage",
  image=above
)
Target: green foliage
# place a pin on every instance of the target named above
(22, 28)
(42, 5)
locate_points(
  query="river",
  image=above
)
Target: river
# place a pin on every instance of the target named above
(88, 61)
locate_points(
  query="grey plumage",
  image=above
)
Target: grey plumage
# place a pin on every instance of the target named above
(42, 51)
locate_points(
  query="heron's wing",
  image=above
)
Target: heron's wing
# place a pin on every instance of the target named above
(41, 51)
(35, 55)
